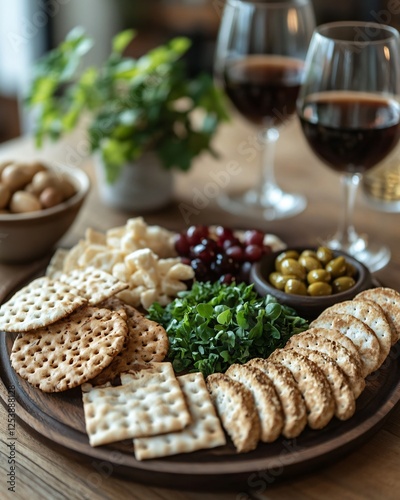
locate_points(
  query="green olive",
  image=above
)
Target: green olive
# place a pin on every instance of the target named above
(324, 255)
(278, 280)
(342, 284)
(292, 266)
(318, 275)
(350, 270)
(319, 288)
(308, 253)
(295, 287)
(288, 254)
(337, 267)
(309, 263)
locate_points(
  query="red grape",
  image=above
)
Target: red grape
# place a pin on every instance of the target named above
(227, 279)
(196, 233)
(223, 233)
(253, 253)
(253, 237)
(182, 245)
(203, 253)
(235, 252)
(231, 242)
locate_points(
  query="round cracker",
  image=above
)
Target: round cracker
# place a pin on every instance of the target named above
(267, 402)
(335, 351)
(312, 384)
(372, 315)
(359, 333)
(147, 341)
(389, 300)
(293, 406)
(344, 397)
(70, 352)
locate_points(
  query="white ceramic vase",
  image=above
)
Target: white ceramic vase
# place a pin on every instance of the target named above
(143, 185)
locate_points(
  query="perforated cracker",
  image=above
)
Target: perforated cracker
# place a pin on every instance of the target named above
(43, 302)
(93, 284)
(56, 264)
(205, 431)
(147, 341)
(265, 397)
(359, 333)
(373, 316)
(293, 406)
(312, 384)
(389, 300)
(70, 352)
(149, 402)
(236, 408)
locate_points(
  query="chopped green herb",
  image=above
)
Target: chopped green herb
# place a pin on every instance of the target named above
(213, 326)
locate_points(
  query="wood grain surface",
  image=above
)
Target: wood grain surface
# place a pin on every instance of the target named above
(44, 470)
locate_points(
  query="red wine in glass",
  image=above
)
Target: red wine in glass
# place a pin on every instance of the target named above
(264, 88)
(351, 131)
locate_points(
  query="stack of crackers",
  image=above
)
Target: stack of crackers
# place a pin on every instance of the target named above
(319, 374)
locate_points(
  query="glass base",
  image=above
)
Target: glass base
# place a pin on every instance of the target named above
(279, 206)
(373, 255)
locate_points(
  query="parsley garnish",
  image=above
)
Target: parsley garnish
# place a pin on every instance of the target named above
(213, 326)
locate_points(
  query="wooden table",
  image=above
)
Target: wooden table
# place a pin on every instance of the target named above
(371, 471)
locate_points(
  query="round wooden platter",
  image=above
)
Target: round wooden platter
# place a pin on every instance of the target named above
(58, 419)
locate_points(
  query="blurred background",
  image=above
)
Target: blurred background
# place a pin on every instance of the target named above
(29, 28)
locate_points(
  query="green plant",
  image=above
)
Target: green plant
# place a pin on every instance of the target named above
(135, 105)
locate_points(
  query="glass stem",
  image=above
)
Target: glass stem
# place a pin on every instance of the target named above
(346, 235)
(268, 188)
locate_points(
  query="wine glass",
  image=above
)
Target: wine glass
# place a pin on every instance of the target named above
(259, 62)
(350, 114)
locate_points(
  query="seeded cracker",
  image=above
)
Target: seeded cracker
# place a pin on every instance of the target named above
(149, 402)
(237, 410)
(39, 304)
(268, 405)
(93, 284)
(147, 341)
(312, 384)
(205, 431)
(70, 352)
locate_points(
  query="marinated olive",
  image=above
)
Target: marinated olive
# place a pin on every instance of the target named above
(324, 255)
(288, 254)
(350, 270)
(295, 287)
(308, 253)
(309, 263)
(278, 280)
(337, 267)
(318, 275)
(292, 266)
(319, 288)
(342, 284)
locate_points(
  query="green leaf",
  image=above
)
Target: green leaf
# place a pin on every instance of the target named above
(205, 310)
(225, 317)
(122, 40)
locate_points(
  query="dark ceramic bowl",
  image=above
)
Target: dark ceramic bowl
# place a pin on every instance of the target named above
(307, 306)
(29, 236)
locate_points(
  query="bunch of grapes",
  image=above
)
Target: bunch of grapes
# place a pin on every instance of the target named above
(220, 255)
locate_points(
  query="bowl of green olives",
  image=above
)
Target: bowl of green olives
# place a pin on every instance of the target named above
(310, 279)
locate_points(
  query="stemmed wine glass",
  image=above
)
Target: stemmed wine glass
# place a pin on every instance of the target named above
(350, 113)
(259, 62)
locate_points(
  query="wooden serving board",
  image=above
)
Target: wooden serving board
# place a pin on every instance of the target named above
(59, 420)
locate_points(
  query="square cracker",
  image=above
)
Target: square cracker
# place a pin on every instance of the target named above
(149, 402)
(41, 303)
(205, 431)
(93, 284)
